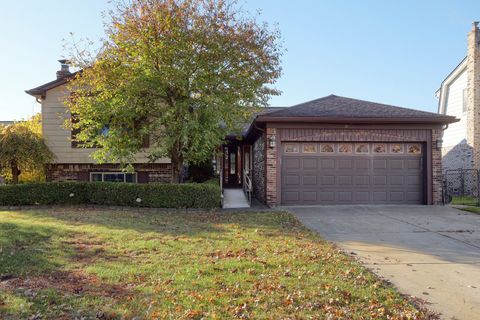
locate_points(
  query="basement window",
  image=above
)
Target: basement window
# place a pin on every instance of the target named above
(113, 177)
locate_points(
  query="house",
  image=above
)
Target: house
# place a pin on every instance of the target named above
(459, 96)
(5, 123)
(333, 150)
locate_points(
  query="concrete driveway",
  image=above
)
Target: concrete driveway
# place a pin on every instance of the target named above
(431, 252)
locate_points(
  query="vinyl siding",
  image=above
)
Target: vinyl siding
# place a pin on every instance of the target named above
(57, 138)
(456, 132)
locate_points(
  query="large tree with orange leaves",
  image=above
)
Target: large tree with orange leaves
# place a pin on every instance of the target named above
(184, 72)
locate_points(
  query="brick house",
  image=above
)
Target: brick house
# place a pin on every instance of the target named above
(459, 96)
(332, 150)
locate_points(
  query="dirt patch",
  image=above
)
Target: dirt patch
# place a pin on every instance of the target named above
(67, 282)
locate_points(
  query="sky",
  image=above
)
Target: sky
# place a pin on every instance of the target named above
(395, 52)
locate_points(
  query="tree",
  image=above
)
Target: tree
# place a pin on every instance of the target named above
(184, 72)
(22, 149)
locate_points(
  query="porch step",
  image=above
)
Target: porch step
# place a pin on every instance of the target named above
(234, 198)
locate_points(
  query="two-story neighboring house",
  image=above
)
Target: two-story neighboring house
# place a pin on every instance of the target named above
(459, 96)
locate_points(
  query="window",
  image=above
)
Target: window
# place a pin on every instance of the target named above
(326, 148)
(379, 148)
(309, 148)
(414, 149)
(464, 100)
(291, 148)
(362, 148)
(396, 148)
(233, 162)
(246, 163)
(345, 148)
(113, 177)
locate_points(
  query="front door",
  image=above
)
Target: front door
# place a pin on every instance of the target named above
(232, 158)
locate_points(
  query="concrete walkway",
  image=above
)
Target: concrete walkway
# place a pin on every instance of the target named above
(426, 251)
(234, 199)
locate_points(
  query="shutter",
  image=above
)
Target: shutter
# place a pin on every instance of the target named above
(75, 131)
(84, 176)
(142, 177)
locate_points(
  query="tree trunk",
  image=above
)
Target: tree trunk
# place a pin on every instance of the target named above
(15, 172)
(177, 165)
(176, 171)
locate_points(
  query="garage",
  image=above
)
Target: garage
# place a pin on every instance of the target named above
(338, 150)
(325, 173)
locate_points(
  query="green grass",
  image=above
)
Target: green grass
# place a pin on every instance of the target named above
(74, 263)
(471, 209)
(465, 200)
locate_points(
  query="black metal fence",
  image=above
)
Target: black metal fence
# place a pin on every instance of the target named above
(461, 183)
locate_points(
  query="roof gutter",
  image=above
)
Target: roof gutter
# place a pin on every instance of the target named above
(370, 120)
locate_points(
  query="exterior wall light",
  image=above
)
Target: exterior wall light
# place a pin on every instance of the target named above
(439, 144)
(272, 141)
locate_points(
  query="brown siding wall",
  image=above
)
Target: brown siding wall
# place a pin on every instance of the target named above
(147, 172)
(383, 135)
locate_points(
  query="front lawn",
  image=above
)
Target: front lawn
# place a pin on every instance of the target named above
(105, 264)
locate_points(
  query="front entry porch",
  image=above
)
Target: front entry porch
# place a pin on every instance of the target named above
(234, 198)
(236, 174)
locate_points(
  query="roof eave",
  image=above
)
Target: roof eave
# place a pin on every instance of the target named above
(372, 120)
(41, 91)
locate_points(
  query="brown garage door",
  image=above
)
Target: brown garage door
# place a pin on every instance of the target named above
(352, 173)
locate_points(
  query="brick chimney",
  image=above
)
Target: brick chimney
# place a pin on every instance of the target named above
(64, 69)
(473, 93)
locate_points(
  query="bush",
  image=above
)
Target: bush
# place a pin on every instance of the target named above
(188, 195)
(201, 172)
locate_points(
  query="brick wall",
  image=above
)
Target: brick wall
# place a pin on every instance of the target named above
(473, 94)
(149, 172)
(459, 156)
(271, 169)
(437, 174)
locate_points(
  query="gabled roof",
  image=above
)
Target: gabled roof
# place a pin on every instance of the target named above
(41, 91)
(443, 90)
(335, 109)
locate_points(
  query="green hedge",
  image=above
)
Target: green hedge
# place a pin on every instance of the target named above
(188, 195)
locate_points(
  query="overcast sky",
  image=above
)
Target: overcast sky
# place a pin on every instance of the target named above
(394, 52)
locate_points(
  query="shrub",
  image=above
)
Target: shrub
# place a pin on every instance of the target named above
(188, 195)
(201, 172)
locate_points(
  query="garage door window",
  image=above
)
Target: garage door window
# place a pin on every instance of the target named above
(345, 148)
(396, 148)
(326, 148)
(379, 148)
(362, 148)
(291, 148)
(414, 149)
(309, 148)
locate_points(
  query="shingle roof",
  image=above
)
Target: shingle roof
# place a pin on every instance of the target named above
(41, 90)
(337, 108)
